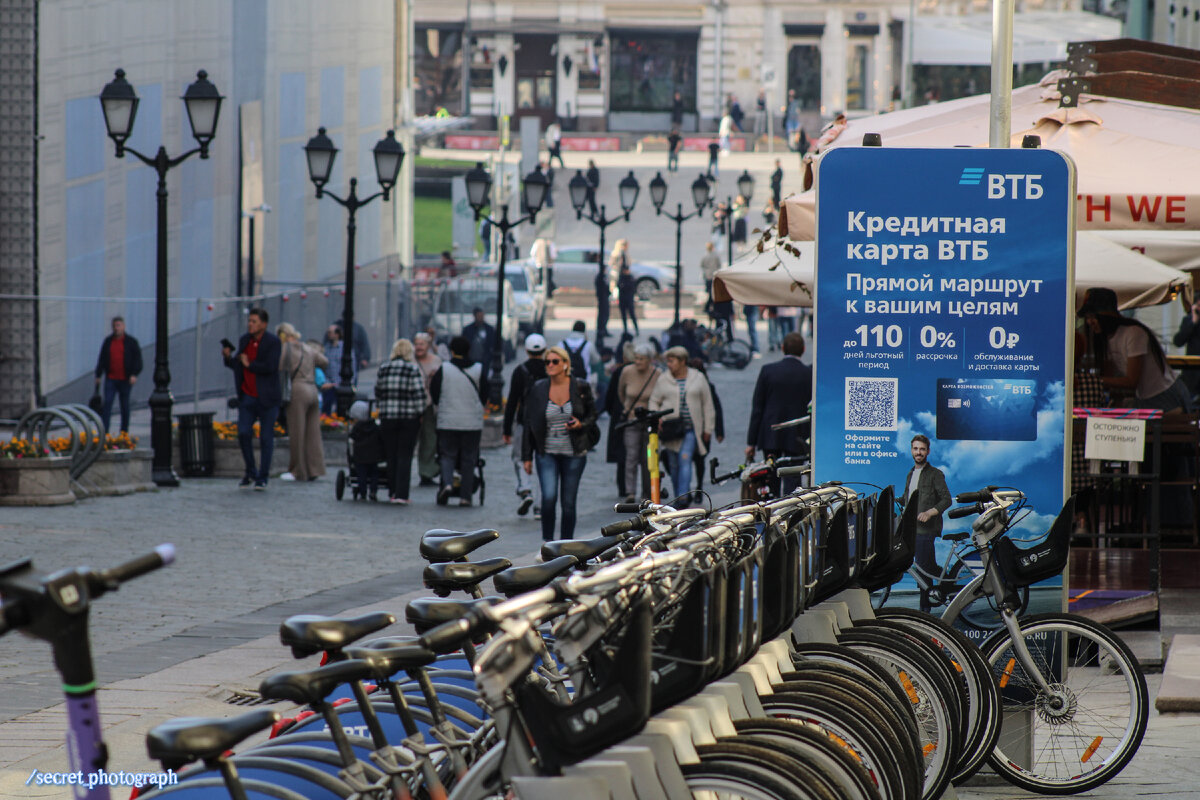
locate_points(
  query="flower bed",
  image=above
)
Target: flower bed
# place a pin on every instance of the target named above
(36, 480)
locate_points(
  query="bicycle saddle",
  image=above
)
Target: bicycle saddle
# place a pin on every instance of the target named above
(461, 575)
(440, 544)
(426, 613)
(384, 661)
(312, 687)
(187, 739)
(518, 580)
(956, 537)
(308, 634)
(582, 549)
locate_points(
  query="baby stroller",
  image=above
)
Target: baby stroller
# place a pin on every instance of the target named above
(364, 456)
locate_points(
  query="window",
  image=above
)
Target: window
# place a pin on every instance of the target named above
(648, 68)
(437, 67)
(804, 75)
(858, 75)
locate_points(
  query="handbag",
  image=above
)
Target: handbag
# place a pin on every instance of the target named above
(673, 429)
(95, 402)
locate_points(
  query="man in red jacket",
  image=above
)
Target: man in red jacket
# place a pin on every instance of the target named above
(119, 365)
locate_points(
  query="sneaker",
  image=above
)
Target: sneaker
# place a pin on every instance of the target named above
(443, 495)
(526, 504)
(464, 503)
(246, 482)
(537, 514)
(260, 486)
(287, 476)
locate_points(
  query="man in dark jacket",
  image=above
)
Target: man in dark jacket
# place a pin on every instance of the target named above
(593, 179)
(782, 392)
(255, 368)
(523, 377)
(926, 486)
(777, 183)
(483, 339)
(119, 364)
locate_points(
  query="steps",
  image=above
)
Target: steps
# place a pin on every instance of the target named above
(1180, 690)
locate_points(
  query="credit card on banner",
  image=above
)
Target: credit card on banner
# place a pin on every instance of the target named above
(986, 409)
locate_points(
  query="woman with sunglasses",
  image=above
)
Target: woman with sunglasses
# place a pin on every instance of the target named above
(560, 416)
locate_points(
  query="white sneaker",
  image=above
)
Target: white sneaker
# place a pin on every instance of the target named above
(287, 476)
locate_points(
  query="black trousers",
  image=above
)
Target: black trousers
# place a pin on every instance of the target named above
(399, 441)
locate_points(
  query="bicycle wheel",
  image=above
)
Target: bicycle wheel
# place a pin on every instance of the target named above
(814, 747)
(983, 695)
(717, 779)
(782, 776)
(1088, 728)
(735, 354)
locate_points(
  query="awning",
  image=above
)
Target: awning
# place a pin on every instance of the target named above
(1038, 36)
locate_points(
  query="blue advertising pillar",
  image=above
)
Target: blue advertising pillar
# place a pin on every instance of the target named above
(945, 308)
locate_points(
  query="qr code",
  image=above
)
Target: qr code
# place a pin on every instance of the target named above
(871, 404)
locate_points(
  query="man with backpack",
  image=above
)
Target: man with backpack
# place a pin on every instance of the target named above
(524, 376)
(457, 391)
(581, 353)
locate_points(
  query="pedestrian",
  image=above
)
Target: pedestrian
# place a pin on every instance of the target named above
(298, 364)
(580, 351)
(781, 393)
(1187, 337)
(777, 183)
(526, 374)
(791, 121)
(760, 113)
(449, 267)
(724, 132)
(709, 264)
(690, 426)
(560, 423)
(456, 390)
(367, 450)
(714, 151)
(626, 297)
(674, 141)
(740, 209)
(685, 336)
(1130, 356)
(615, 447)
(543, 254)
(119, 364)
(720, 212)
(429, 362)
(400, 397)
(677, 111)
(593, 179)
(751, 314)
(485, 238)
(785, 319)
(925, 485)
(333, 356)
(484, 342)
(634, 387)
(604, 276)
(770, 212)
(255, 366)
(736, 115)
(360, 343)
(718, 422)
(554, 142)
(549, 199)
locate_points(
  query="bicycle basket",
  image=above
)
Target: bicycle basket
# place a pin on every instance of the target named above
(1047, 558)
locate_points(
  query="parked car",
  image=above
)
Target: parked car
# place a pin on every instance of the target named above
(575, 269)
(529, 294)
(457, 298)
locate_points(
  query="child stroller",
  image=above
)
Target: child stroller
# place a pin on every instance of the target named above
(364, 456)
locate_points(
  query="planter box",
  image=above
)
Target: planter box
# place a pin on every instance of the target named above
(228, 455)
(118, 472)
(35, 482)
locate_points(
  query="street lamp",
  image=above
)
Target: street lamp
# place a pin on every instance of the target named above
(320, 153)
(627, 192)
(745, 185)
(479, 187)
(701, 197)
(119, 103)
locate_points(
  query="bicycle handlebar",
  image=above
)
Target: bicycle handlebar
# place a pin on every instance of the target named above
(624, 526)
(983, 495)
(792, 423)
(105, 580)
(964, 511)
(644, 418)
(783, 472)
(629, 508)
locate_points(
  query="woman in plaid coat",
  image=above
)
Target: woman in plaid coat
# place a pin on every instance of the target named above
(400, 398)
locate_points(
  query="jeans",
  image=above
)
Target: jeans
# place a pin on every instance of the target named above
(329, 401)
(751, 313)
(673, 161)
(680, 463)
(251, 409)
(926, 560)
(121, 390)
(399, 441)
(786, 325)
(553, 470)
(459, 450)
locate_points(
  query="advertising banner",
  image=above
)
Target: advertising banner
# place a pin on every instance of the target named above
(944, 306)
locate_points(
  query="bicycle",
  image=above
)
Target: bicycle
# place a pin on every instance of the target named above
(1074, 699)
(728, 352)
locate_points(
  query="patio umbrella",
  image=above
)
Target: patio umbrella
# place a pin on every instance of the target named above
(1138, 164)
(779, 278)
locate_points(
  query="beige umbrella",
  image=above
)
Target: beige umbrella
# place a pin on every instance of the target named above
(1138, 163)
(777, 277)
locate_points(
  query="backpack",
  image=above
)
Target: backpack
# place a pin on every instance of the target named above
(578, 366)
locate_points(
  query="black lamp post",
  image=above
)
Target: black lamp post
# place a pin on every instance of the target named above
(320, 153)
(119, 103)
(479, 186)
(701, 197)
(627, 191)
(746, 190)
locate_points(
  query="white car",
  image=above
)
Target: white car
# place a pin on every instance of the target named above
(575, 268)
(529, 294)
(456, 300)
